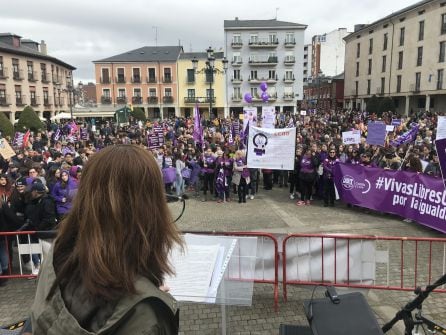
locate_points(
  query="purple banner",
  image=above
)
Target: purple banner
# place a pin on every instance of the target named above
(411, 195)
(441, 152)
(376, 133)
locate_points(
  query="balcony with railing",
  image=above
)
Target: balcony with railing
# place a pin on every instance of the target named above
(167, 99)
(289, 60)
(272, 80)
(5, 100)
(4, 73)
(45, 78)
(106, 100)
(272, 97)
(137, 100)
(288, 96)
(198, 100)
(264, 43)
(32, 76)
(105, 80)
(20, 100)
(254, 80)
(236, 97)
(236, 80)
(57, 80)
(17, 75)
(270, 61)
(121, 100)
(236, 44)
(151, 80)
(290, 42)
(167, 79)
(289, 79)
(152, 100)
(35, 101)
(120, 79)
(136, 79)
(47, 101)
(237, 61)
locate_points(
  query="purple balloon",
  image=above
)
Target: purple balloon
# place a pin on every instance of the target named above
(265, 97)
(248, 98)
(263, 86)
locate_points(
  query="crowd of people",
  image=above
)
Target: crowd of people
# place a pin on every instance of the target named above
(39, 183)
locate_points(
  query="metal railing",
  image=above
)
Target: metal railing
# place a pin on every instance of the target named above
(167, 99)
(121, 100)
(151, 80)
(5, 100)
(136, 79)
(17, 75)
(264, 43)
(105, 80)
(35, 101)
(4, 73)
(152, 100)
(106, 100)
(20, 101)
(137, 100)
(167, 79)
(32, 76)
(120, 79)
(47, 101)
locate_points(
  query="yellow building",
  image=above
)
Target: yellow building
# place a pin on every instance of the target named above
(198, 86)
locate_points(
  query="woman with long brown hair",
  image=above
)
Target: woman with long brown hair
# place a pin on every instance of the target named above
(111, 253)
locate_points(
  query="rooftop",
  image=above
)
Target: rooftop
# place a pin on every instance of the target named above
(273, 23)
(146, 54)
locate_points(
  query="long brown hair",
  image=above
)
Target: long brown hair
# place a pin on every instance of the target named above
(119, 226)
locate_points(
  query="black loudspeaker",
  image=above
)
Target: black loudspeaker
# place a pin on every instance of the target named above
(351, 316)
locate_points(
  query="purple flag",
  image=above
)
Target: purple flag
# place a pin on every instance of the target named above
(376, 133)
(18, 139)
(441, 152)
(407, 137)
(198, 131)
(411, 195)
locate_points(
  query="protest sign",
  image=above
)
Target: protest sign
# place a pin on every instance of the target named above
(390, 128)
(376, 133)
(271, 148)
(351, 137)
(249, 117)
(441, 152)
(411, 195)
(268, 116)
(396, 122)
(441, 128)
(302, 112)
(5, 149)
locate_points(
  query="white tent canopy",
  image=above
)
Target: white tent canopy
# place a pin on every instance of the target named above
(61, 116)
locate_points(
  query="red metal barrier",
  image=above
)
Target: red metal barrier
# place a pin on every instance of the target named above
(7, 237)
(422, 255)
(271, 237)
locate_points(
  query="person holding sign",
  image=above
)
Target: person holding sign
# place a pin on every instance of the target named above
(110, 256)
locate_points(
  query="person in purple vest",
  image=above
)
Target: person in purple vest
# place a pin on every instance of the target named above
(327, 178)
(208, 168)
(307, 175)
(241, 175)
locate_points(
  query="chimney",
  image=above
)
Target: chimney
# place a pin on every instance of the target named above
(358, 27)
(43, 49)
(236, 18)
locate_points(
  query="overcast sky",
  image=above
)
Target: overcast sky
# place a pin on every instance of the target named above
(79, 32)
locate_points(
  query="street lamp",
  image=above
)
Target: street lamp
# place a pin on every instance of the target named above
(210, 70)
(72, 91)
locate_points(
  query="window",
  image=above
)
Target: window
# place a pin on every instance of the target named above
(253, 75)
(272, 74)
(152, 75)
(237, 75)
(152, 92)
(369, 70)
(368, 86)
(209, 94)
(30, 67)
(398, 83)
(402, 33)
(421, 31)
(236, 39)
(420, 56)
(400, 60)
(272, 38)
(121, 75)
(442, 52)
(254, 38)
(386, 38)
(443, 23)
(289, 75)
(137, 92)
(106, 93)
(236, 57)
(440, 79)
(167, 75)
(1, 67)
(254, 91)
(289, 38)
(356, 87)
(358, 50)
(191, 93)
(121, 93)
(209, 76)
(370, 46)
(136, 76)
(15, 66)
(383, 67)
(168, 92)
(357, 69)
(417, 81)
(105, 79)
(237, 92)
(190, 75)
(383, 84)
